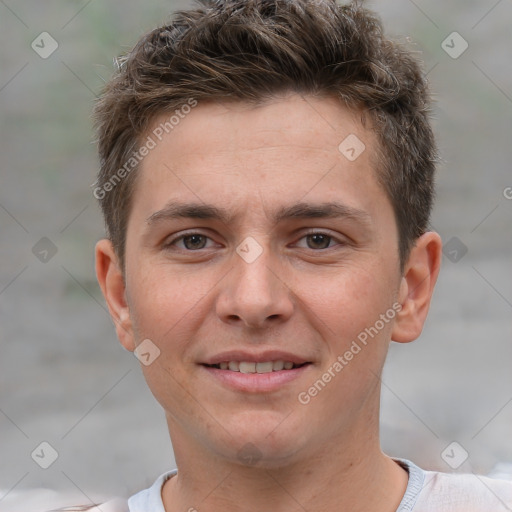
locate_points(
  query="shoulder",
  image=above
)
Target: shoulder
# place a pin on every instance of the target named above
(433, 491)
(151, 498)
(463, 492)
(116, 505)
(48, 500)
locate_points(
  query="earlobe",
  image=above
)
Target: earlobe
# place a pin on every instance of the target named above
(417, 286)
(112, 284)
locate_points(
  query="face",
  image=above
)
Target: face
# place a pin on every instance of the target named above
(255, 240)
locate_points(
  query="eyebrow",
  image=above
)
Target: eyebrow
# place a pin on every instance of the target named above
(330, 210)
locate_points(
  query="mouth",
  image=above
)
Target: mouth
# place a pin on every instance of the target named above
(256, 367)
(262, 377)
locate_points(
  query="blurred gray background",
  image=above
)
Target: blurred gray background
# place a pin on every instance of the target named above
(65, 379)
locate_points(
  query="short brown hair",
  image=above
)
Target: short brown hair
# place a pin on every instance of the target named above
(252, 50)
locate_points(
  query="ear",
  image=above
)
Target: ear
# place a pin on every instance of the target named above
(417, 286)
(111, 281)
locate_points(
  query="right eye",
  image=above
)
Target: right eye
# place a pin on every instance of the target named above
(191, 241)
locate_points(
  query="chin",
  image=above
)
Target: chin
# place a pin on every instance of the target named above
(264, 440)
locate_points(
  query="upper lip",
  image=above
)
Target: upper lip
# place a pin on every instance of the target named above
(268, 355)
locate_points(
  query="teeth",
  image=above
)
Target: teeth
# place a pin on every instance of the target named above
(247, 367)
(264, 367)
(278, 365)
(251, 367)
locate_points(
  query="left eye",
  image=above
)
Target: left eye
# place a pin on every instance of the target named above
(317, 240)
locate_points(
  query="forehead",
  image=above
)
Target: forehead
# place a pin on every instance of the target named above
(306, 122)
(284, 151)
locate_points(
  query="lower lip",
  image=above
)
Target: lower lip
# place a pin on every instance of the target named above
(256, 382)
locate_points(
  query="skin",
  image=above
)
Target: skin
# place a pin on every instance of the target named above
(312, 296)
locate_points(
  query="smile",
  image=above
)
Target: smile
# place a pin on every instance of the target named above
(256, 377)
(252, 367)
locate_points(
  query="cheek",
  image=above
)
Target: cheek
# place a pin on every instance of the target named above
(161, 304)
(348, 302)
(347, 313)
(164, 310)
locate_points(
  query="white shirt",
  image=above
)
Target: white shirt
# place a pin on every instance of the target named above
(427, 491)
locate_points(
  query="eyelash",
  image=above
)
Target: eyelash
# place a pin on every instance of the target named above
(169, 244)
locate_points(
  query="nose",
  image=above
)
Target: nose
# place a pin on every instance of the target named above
(255, 293)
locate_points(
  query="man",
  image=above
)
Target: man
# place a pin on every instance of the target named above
(266, 178)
